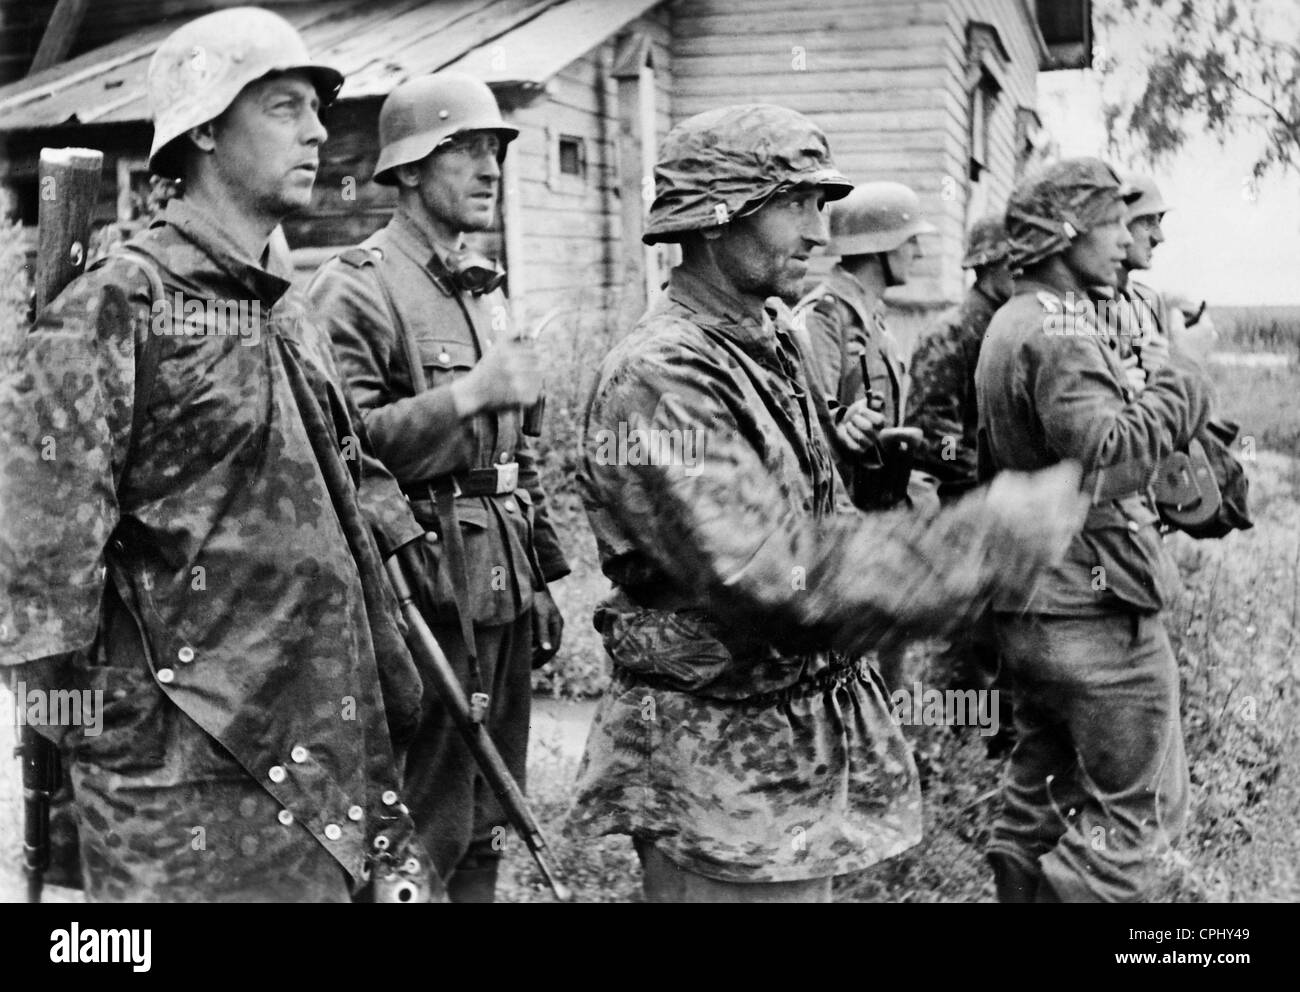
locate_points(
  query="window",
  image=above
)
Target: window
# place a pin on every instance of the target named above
(983, 101)
(986, 60)
(573, 156)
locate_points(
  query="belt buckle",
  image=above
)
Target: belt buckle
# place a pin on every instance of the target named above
(507, 477)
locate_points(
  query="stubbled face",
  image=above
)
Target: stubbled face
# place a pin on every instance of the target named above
(902, 260)
(1096, 256)
(766, 253)
(266, 145)
(1146, 233)
(458, 183)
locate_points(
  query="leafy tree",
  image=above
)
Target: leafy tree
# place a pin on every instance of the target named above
(1231, 67)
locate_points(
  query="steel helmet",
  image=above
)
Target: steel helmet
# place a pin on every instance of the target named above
(201, 67)
(875, 217)
(986, 242)
(726, 163)
(1051, 207)
(1149, 202)
(422, 113)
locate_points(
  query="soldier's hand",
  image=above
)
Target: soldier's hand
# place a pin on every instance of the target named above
(1040, 512)
(508, 375)
(1155, 351)
(548, 628)
(857, 429)
(1133, 374)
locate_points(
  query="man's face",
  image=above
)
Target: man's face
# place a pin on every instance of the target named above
(996, 278)
(1096, 256)
(267, 143)
(902, 260)
(766, 253)
(458, 182)
(1147, 233)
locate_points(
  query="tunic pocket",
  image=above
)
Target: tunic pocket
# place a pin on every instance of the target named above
(445, 359)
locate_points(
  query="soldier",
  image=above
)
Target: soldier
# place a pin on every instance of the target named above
(1150, 315)
(854, 359)
(942, 399)
(1097, 785)
(743, 743)
(941, 403)
(179, 427)
(421, 330)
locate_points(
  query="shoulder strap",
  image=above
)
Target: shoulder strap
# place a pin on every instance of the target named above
(359, 257)
(146, 355)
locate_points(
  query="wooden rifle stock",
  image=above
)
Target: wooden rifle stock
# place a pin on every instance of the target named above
(68, 185)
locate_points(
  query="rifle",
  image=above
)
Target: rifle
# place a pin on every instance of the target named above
(69, 185)
(504, 787)
(42, 776)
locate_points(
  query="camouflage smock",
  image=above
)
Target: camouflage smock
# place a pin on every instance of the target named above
(942, 398)
(742, 732)
(227, 594)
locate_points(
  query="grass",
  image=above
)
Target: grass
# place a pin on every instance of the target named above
(1234, 629)
(1235, 633)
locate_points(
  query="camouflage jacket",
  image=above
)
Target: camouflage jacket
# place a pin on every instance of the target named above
(942, 398)
(1050, 387)
(220, 561)
(361, 297)
(744, 587)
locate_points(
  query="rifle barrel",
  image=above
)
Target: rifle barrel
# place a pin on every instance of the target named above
(448, 687)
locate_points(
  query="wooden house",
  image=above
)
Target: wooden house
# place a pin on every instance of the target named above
(939, 94)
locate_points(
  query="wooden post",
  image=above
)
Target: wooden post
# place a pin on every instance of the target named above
(512, 234)
(59, 34)
(67, 189)
(634, 72)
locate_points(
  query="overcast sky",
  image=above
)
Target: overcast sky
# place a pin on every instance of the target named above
(1220, 244)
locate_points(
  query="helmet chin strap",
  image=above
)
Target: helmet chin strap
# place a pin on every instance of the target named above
(888, 270)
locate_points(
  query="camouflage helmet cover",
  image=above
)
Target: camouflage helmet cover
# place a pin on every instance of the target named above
(986, 242)
(726, 163)
(201, 67)
(876, 217)
(1054, 205)
(423, 113)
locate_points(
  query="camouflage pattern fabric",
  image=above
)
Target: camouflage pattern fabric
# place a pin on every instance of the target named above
(986, 242)
(942, 398)
(1069, 195)
(727, 162)
(742, 733)
(227, 595)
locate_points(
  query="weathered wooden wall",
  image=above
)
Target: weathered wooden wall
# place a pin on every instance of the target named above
(886, 79)
(1021, 78)
(572, 231)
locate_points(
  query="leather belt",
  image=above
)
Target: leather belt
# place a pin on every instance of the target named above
(496, 480)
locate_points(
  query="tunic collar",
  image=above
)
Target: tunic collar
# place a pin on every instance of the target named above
(414, 241)
(752, 327)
